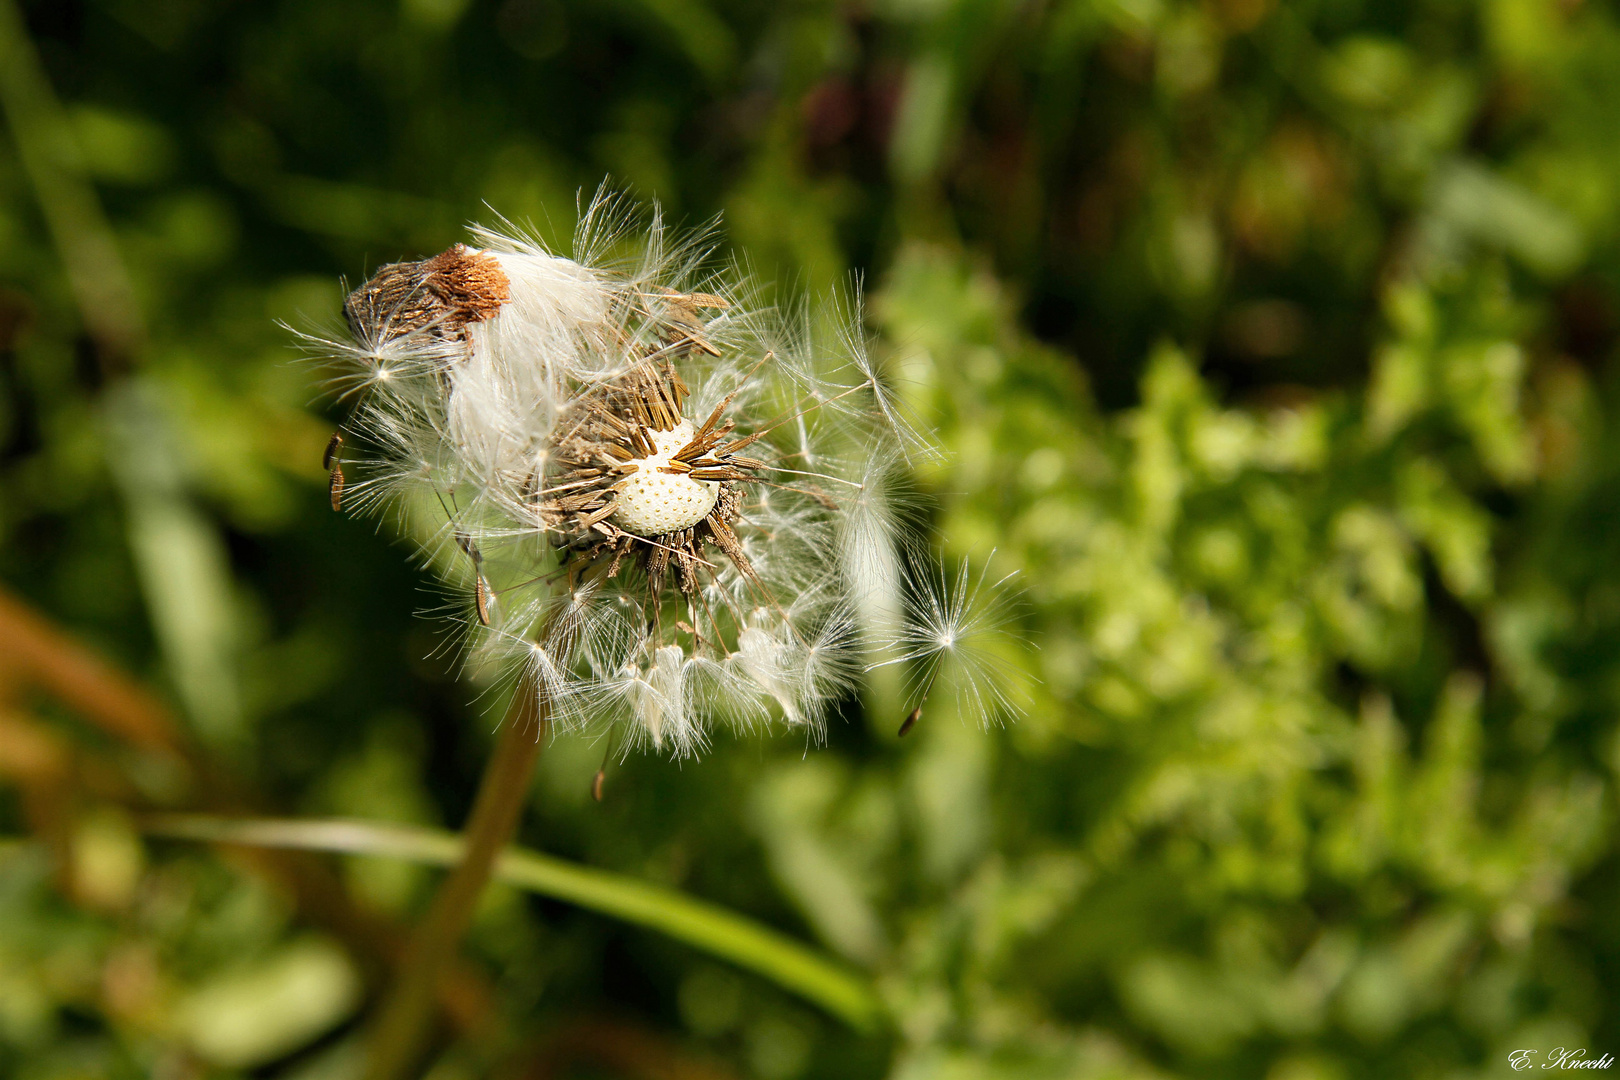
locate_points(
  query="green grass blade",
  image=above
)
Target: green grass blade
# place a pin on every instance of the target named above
(703, 925)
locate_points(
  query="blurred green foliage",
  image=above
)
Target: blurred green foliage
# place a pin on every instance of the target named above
(1272, 342)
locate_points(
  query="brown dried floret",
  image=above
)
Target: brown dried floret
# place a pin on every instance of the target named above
(440, 296)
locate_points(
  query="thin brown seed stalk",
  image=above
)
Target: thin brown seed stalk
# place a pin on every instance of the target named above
(404, 1021)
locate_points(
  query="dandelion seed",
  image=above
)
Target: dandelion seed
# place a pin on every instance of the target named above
(481, 598)
(956, 628)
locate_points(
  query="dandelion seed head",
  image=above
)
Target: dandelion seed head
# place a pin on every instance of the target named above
(674, 499)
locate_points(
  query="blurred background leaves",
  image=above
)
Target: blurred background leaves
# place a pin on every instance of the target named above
(1272, 343)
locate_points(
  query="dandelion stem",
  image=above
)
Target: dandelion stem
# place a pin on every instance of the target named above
(404, 1021)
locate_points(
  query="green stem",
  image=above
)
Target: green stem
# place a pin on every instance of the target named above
(705, 926)
(404, 1023)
